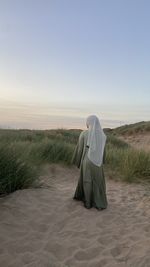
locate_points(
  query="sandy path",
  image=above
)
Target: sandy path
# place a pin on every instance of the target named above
(45, 228)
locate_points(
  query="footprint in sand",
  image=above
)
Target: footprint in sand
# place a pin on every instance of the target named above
(88, 254)
(105, 240)
(100, 263)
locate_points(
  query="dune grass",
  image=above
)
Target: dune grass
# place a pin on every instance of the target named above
(133, 165)
(23, 151)
(115, 142)
(52, 151)
(15, 173)
(7, 136)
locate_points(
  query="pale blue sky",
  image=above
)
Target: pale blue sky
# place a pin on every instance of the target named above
(66, 59)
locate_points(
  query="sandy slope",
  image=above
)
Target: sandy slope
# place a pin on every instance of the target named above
(138, 141)
(45, 228)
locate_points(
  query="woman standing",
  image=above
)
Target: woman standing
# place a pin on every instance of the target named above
(88, 156)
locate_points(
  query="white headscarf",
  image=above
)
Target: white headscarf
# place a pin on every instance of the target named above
(96, 140)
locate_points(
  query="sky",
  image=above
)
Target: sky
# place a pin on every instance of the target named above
(62, 60)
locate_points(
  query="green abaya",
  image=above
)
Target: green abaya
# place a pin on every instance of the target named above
(91, 188)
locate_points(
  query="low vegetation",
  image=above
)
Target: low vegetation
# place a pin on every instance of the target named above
(132, 165)
(15, 173)
(22, 152)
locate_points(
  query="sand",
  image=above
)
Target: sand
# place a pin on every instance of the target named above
(138, 140)
(45, 227)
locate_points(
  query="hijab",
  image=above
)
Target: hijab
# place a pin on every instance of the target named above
(96, 140)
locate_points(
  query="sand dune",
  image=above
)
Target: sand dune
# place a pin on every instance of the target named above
(138, 141)
(45, 227)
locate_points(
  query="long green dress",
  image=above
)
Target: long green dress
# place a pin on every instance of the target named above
(91, 188)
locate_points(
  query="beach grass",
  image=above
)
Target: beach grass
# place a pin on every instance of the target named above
(132, 164)
(22, 152)
(15, 172)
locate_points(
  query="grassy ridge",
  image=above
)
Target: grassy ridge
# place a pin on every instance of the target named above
(22, 151)
(140, 127)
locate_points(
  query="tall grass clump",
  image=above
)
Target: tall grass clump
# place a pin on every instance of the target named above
(136, 165)
(116, 142)
(22, 150)
(15, 173)
(52, 151)
(133, 165)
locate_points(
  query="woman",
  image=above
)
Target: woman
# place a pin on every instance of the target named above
(88, 156)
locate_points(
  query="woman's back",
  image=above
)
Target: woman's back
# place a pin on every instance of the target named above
(91, 188)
